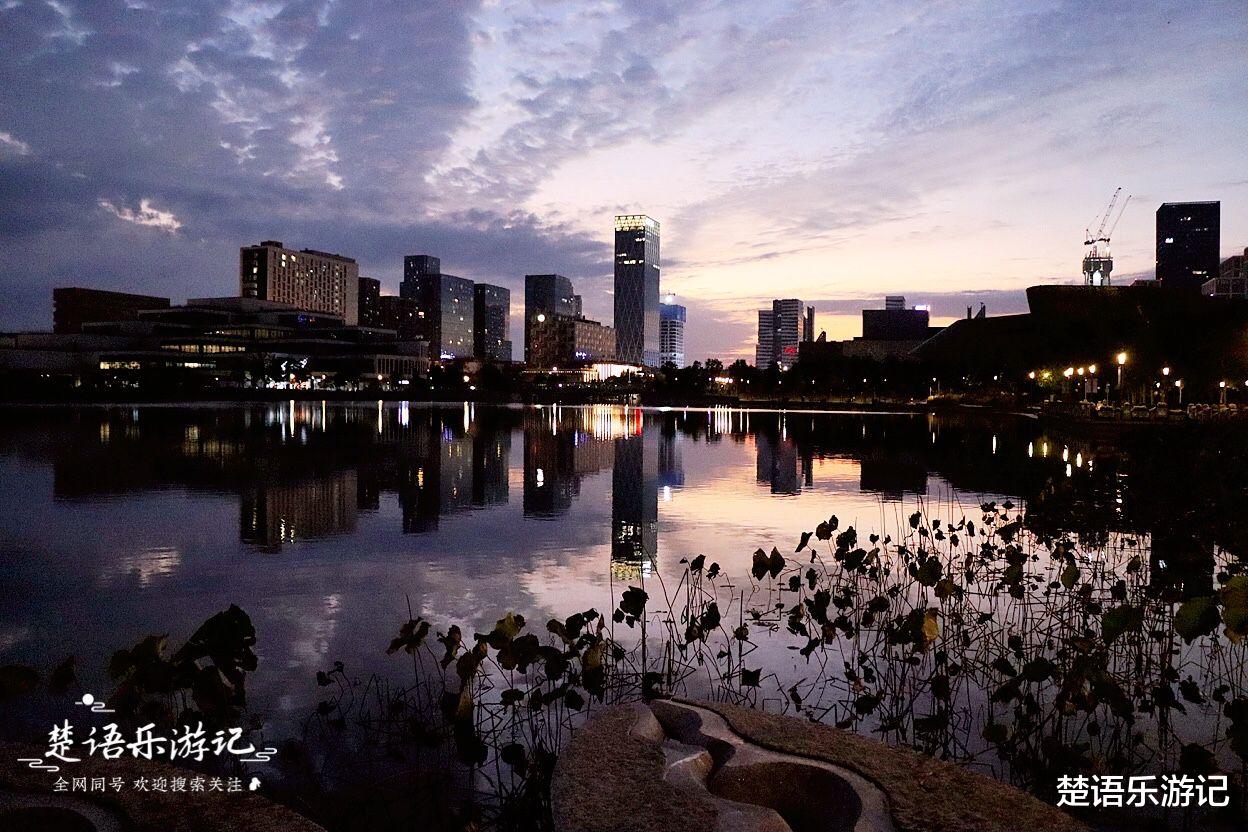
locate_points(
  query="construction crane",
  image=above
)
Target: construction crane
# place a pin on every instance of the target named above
(1097, 264)
(1088, 237)
(1121, 211)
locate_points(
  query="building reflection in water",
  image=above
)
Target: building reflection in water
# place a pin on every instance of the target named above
(635, 505)
(274, 513)
(302, 471)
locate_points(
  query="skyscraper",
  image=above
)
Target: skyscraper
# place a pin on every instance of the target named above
(671, 332)
(1188, 242)
(313, 280)
(548, 296)
(369, 302)
(444, 307)
(637, 290)
(765, 351)
(491, 322)
(780, 330)
(402, 315)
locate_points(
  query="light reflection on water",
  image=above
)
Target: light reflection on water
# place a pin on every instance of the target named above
(325, 521)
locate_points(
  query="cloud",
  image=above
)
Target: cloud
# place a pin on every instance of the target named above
(12, 144)
(147, 215)
(816, 150)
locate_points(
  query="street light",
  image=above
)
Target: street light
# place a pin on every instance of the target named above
(1178, 383)
(1221, 392)
(1121, 358)
(1165, 371)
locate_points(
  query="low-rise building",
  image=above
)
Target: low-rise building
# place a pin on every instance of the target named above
(72, 307)
(561, 340)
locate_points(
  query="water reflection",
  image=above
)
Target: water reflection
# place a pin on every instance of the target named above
(359, 509)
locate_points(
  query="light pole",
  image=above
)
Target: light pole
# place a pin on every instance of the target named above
(1178, 384)
(1121, 359)
(1221, 392)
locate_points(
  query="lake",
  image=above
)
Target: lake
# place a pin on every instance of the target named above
(333, 523)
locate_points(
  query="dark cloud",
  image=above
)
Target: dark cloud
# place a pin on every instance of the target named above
(314, 122)
(141, 143)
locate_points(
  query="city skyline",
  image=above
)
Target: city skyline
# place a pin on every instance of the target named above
(958, 172)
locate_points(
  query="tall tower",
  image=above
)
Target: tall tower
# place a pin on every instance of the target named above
(444, 314)
(672, 331)
(637, 290)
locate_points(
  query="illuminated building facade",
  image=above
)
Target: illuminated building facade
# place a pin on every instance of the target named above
(400, 314)
(547, 296)
(444, 307)
(491, 322)
(369, 301)
(637, 290)
(672, 332)
(780, 330)
(560, 340)
(313, 280)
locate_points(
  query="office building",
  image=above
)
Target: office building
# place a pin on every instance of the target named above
(368, 302)
(1232, 279)
(547, 296)
(313, 280)
(895, 322)
(671, 332)
(491, 322)
(400, 314)
(637, 290)
(1188, 243)
(72, 307)
(561, 341)
(765, 350)
(780, 330)
(444, 307)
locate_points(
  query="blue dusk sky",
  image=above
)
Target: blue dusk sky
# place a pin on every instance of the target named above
(833, 151)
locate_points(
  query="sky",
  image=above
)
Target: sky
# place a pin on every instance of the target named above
(953, 152)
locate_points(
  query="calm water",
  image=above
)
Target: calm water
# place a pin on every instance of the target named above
(326, 521)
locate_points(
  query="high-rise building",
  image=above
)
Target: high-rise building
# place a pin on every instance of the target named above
(765, 351)
(780, 330)
(313, 280)
(444, 307)
(73, 307)
(671, 332)
(368, 303)
(546, 296)
(1188, 243)
(491, 322)
(400, 314)
(637, 290)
